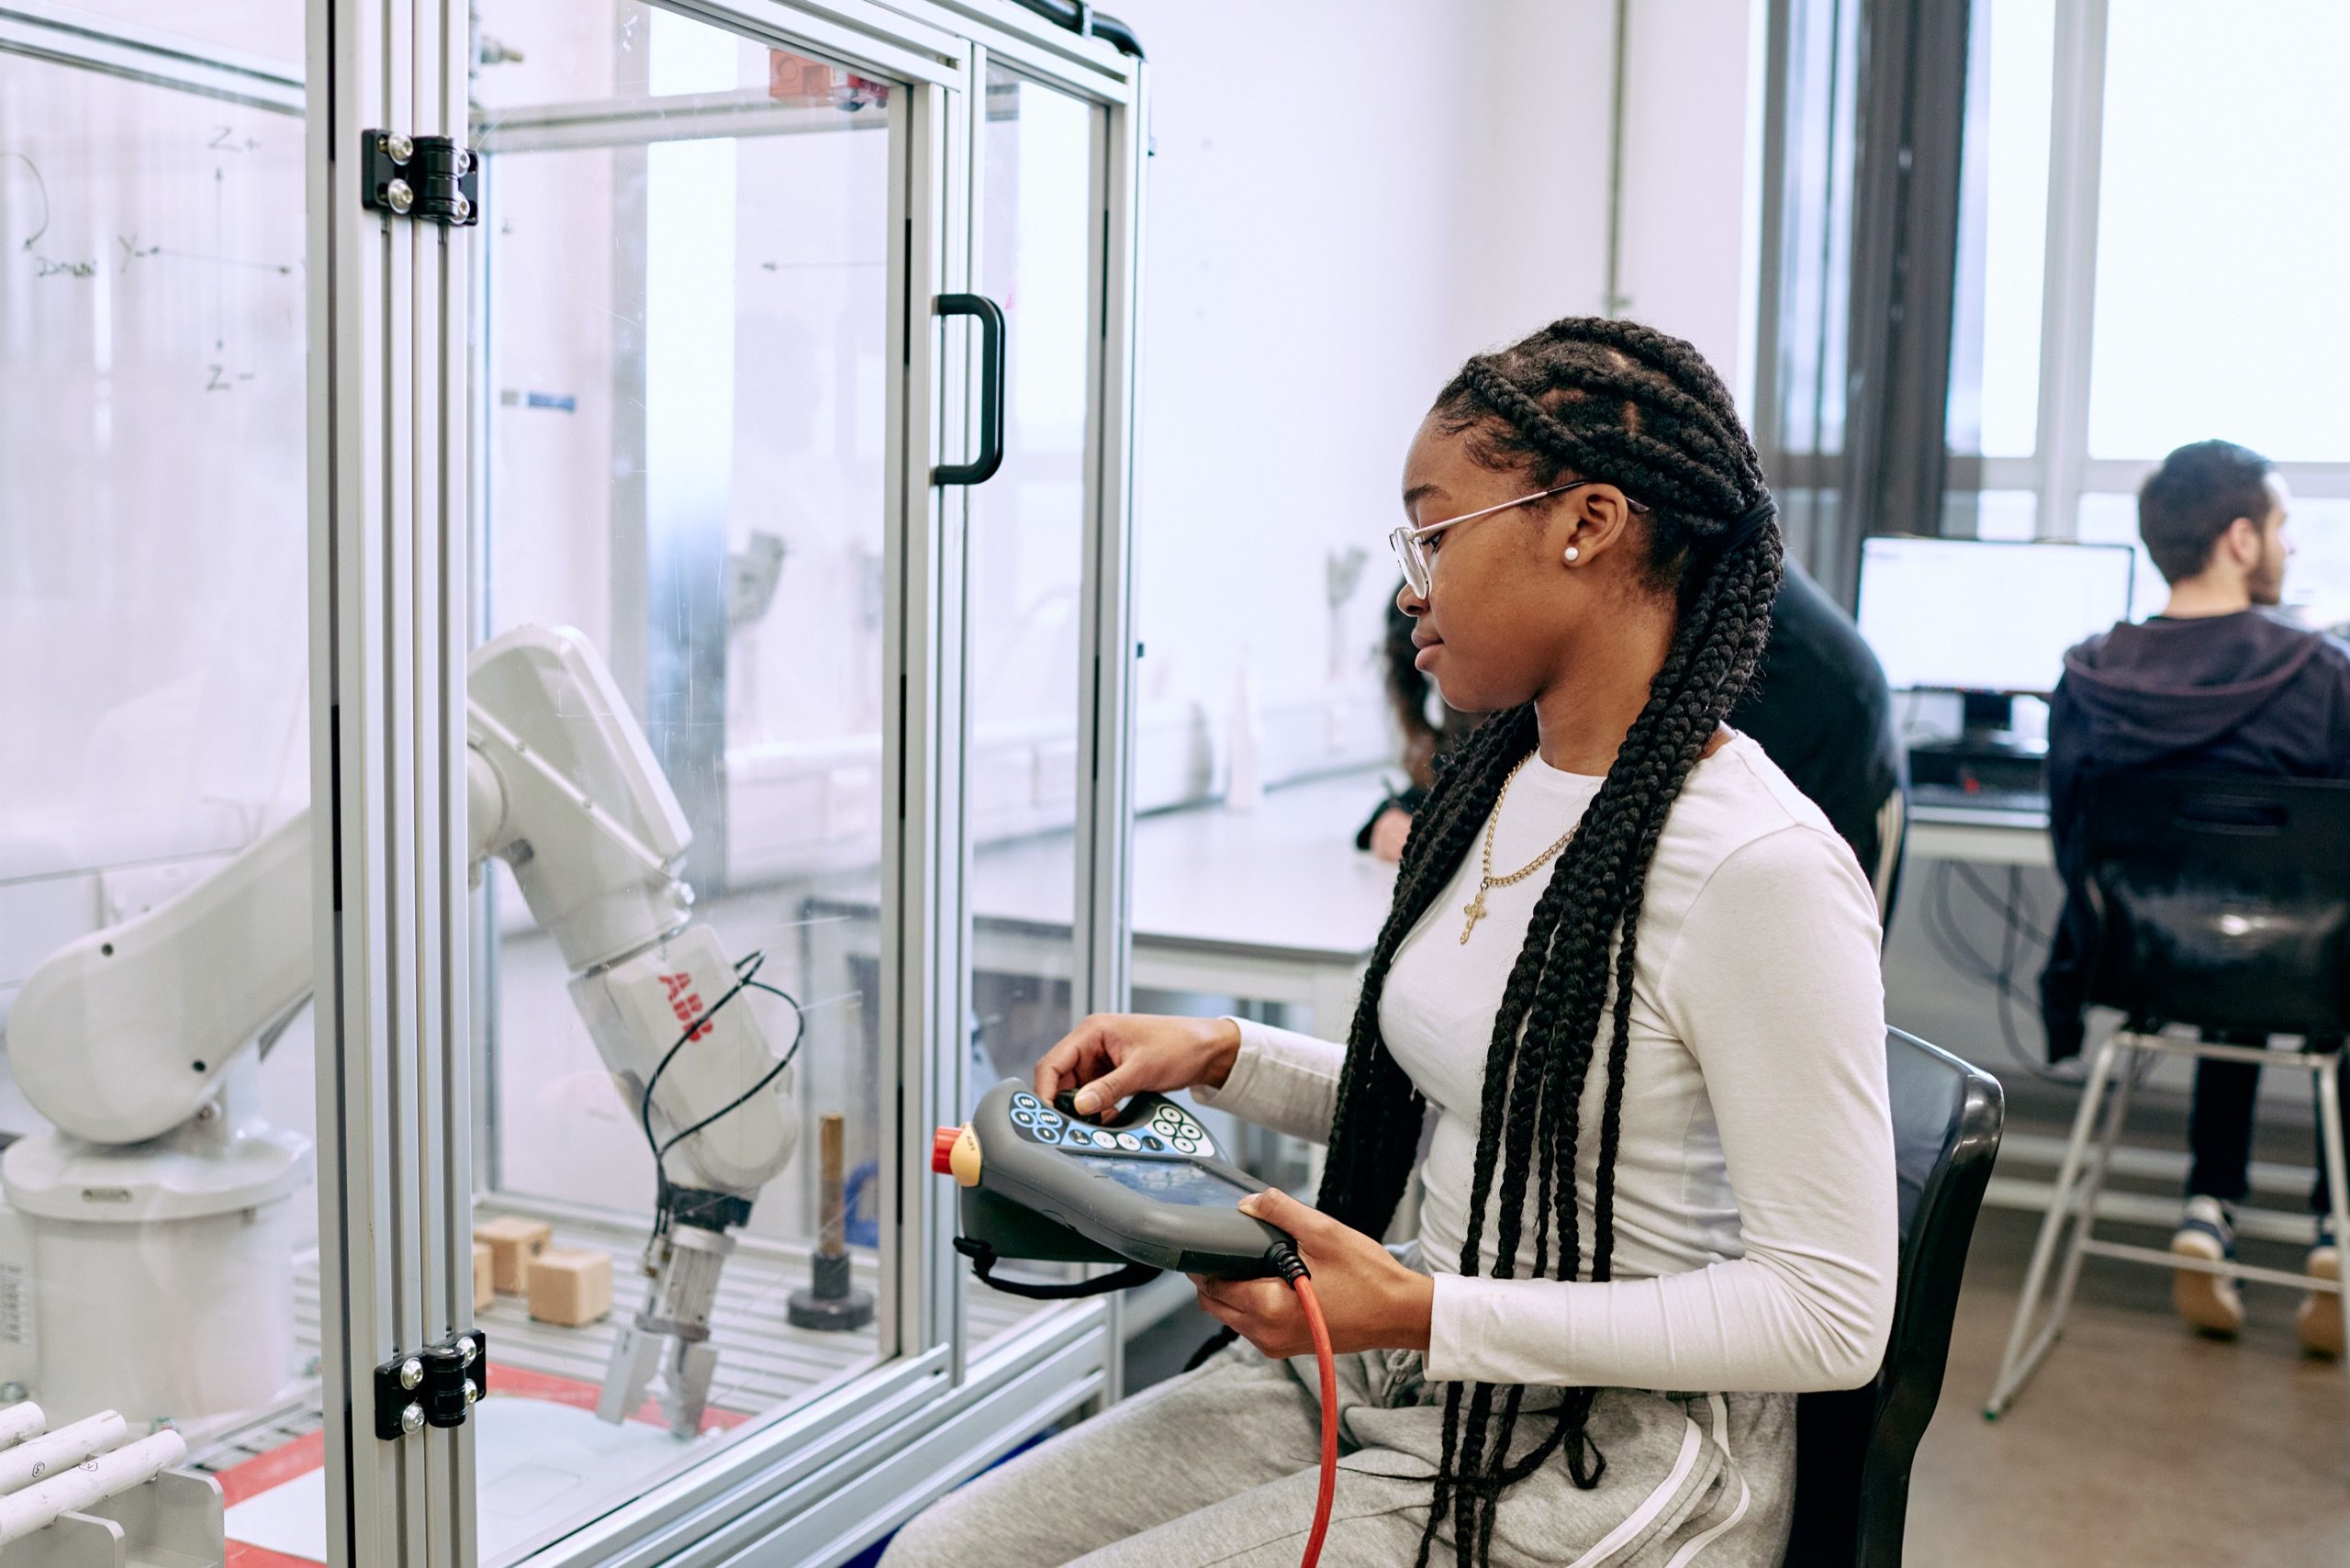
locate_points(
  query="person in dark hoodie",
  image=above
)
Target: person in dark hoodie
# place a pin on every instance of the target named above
(2219, 682)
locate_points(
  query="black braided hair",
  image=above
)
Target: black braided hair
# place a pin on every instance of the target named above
(1598, 399)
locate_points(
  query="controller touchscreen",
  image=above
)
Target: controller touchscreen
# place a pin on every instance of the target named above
(1170, 1182)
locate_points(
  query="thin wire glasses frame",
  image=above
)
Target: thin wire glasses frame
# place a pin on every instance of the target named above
(1409, 543)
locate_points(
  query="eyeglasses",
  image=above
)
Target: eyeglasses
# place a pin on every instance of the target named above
(1410, 543)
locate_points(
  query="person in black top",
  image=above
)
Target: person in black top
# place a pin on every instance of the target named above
(1429, 729)
(1820, 707)
(2219, 682)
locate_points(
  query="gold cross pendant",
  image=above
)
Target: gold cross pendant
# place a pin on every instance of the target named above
(1475, 910)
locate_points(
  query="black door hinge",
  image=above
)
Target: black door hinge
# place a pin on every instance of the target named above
(434, 1387)
(428, 177)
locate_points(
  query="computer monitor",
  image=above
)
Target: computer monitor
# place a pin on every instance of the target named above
(1986, 615)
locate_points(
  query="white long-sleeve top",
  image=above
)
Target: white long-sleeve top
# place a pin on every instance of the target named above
(1754, 1215)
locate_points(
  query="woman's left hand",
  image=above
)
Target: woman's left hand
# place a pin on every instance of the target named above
(1371, 1300)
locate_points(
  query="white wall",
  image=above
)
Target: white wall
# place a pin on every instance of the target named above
(1692, 167)
(1535, 230)
(1326, 241)
(1305, 239)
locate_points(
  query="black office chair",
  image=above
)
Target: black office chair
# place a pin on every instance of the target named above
(1853, 1447)
(2221, 902)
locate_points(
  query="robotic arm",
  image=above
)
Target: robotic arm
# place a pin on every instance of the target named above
(124, 1035)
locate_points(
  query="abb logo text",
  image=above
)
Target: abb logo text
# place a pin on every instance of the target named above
(686, 1003)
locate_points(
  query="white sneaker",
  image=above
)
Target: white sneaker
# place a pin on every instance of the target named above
(2210, 1301)
(2319, 1319)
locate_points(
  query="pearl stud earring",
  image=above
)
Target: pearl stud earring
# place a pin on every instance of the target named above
(1573, 554)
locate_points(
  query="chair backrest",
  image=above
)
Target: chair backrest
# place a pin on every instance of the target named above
(1853, 1447)
(2219, 900)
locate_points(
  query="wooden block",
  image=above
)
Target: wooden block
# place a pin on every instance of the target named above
(513, 1242)
(571, 1285)
(484, 1288)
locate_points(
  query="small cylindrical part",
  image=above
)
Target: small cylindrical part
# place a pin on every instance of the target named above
(102, 1475)
(833, 1210)
(18, 1422)
(61, 1449)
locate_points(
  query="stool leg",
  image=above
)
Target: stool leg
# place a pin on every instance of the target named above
(2024, 1352)
(2093, 1185)
(2329, 1124)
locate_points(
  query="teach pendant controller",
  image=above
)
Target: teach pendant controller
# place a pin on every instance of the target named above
(1147, 1187)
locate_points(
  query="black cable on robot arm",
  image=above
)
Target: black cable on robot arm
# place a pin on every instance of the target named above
(746, 969)
(798, 1031)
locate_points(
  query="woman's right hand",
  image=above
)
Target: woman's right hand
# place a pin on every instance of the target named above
(1113, 1055)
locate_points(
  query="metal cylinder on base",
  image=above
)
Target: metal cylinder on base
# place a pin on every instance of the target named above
(831, 1303)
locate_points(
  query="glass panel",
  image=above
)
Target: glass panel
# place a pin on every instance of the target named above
(685, 336)
(2003, 231)
(2113, 520)
(229, 30)
(2220, 231)
(2007, 514)
(2317, 581)
(1026, 553)
(154, 843)
(1815, 264)
(1024, 604)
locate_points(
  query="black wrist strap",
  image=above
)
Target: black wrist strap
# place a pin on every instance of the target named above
(983, 1262)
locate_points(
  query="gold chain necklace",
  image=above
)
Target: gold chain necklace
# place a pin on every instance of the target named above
(1475, 908)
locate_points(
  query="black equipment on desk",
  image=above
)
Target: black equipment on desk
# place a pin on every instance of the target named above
(1148, 1189)
(1985, 759)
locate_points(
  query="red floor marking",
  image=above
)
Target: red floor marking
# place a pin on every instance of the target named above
(292, 1461)
(243, 1556)
(273, 1469)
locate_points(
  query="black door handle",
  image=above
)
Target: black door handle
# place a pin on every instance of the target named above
(980, 469)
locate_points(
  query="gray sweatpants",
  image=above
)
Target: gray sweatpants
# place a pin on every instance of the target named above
(1219, 1466)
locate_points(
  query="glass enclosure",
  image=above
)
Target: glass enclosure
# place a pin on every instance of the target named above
(702, 394)
(158, 1244)
(683, 332)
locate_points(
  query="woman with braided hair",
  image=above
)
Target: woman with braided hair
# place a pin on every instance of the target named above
(1630, 974)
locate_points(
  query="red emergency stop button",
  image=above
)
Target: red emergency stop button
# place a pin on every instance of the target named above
(942, 1149)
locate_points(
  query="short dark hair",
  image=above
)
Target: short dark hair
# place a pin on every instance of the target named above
(2190, 501)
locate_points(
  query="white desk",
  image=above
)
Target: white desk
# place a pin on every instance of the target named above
(1986, 835)
(1275, 904)
(1271, 905)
